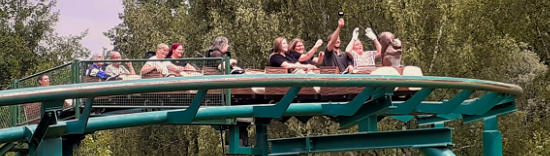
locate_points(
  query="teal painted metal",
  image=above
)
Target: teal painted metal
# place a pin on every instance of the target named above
(79, 126)
(49, 117)
(373, 108)
(419, 138)
(49, 147)
(369, 124)
(492, 138)
(497, 110)
(410, 105)
(75, 77)
(186, 116)
(481, 105)
(262, 147)
(14, 110)
(85, 90)
(235, 143)
(277, 110)
(354, 105)
(437, 151)
(227, 68)
(160, 117)
(6, 148)
(455, 102)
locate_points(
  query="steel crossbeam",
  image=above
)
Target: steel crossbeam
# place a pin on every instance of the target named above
(419, 138)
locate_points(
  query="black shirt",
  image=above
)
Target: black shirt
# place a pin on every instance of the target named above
(276, 60)
(333, 59)
(297, 56)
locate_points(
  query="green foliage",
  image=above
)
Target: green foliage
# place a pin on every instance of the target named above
(28, 42)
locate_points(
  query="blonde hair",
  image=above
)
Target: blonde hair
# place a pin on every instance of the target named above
(219, 42)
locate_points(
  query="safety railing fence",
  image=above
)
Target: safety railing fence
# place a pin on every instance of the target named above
(26, 113)
(82, 71)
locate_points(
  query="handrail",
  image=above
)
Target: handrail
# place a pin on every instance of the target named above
(166, 59)
(86, 90)
(45, 71)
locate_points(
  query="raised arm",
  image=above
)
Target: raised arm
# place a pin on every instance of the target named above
(311, 52)
(132, 71)
(370, 34)
(335, 34)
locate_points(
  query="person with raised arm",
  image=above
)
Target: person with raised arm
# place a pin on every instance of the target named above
(363, 60)
(333, 55)
(298, 51)
(116, 69)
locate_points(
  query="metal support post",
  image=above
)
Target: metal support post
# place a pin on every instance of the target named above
(262, 147)
(227, 71)
(48, 118)
(492, 138)
(75, 77)
(370, 124)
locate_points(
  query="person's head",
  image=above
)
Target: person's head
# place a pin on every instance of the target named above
(357, 45)
(386, 38)
(337, 43)
(115, 55)
(221, 43)
(280, 45)
(297, 45)
(97, 57)
(176, 51)
(162, 51)
(44, 80)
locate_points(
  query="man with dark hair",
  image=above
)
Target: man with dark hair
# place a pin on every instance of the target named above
(333, 55)
(44, 80)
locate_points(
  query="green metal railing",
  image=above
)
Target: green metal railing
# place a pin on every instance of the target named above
(75, 72)
(376, 96)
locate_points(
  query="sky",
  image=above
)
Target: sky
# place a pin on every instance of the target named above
(98, 16)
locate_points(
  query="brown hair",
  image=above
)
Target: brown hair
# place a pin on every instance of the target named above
(293, 44)
(277, 44)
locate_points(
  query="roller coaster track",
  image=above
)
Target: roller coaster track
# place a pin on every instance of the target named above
(53, 137)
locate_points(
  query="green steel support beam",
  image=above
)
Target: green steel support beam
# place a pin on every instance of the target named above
(227, 71)
(483, 104)
(455, 102)
(79, 126)
(49, 147)
(277, 110)
(262, 147)
(6, 148)
(492, 138)
(235, 143)
(75, 77)
(369, 124)
(188, 115)
(354, 105)
(410, 105)
(372, 108)
(496, 111)
(48, 118)
(437, 151)
(14, 110)
(419, 138)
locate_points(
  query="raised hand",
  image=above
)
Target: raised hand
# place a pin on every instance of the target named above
(340, 23)
(355, 34)
(370, 34)
(319, 43)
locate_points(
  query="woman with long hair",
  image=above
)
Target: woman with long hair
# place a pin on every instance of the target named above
(279, 58)
(298, 51)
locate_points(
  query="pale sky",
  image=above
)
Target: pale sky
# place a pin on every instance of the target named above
(98, 16)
